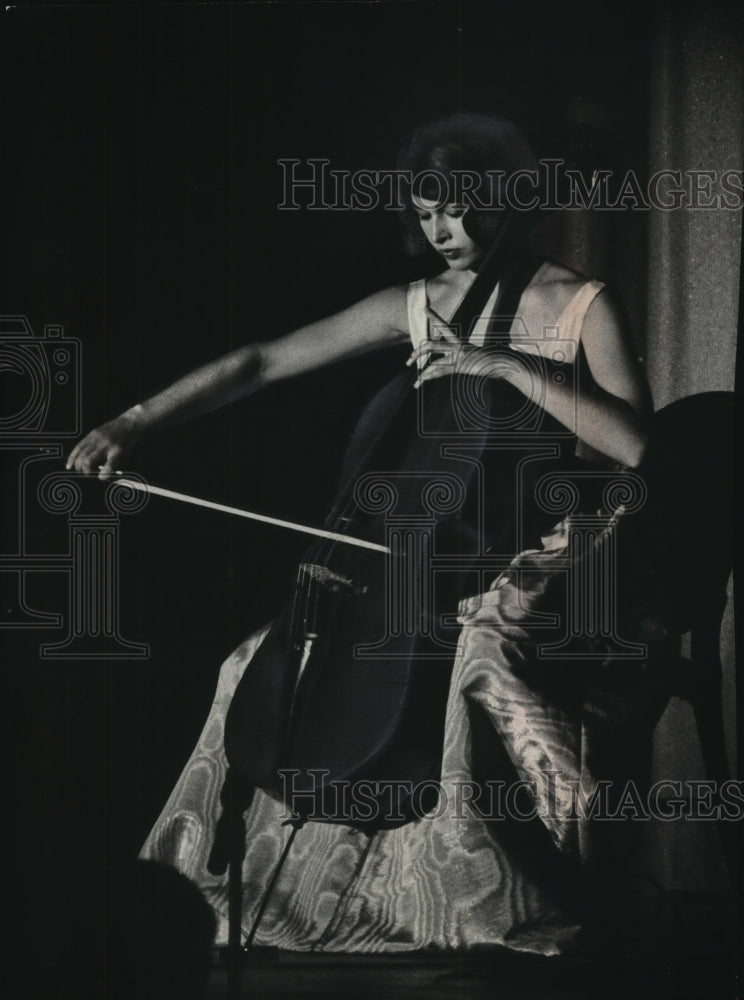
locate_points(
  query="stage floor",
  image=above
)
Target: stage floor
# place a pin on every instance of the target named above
(501, 976)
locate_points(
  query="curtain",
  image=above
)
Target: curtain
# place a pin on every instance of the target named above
(696, 123)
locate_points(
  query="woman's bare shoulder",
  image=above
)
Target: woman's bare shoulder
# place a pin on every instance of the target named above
(379, 318)
(390, 302)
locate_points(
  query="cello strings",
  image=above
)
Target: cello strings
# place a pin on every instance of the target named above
(223, 508)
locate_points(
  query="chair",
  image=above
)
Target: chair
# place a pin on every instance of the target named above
(682, 544)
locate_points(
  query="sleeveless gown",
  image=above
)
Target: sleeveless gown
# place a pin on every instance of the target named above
(454, 878)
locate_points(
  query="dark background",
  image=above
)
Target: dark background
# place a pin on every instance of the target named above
(140, 212)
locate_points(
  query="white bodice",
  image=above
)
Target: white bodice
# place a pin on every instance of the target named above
(549, 317)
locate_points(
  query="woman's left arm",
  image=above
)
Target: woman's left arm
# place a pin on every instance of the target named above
(615, 409)
(612, 411)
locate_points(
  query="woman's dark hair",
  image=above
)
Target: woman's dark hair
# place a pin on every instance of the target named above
(485, 145)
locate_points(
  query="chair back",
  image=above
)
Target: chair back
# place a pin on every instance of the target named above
(683, 536)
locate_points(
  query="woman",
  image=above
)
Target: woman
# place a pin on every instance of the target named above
(449, 881)
(611, 415)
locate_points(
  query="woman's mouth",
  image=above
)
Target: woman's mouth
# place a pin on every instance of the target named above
(451, 254)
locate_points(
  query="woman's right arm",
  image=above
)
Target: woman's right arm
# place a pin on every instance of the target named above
(374, 322)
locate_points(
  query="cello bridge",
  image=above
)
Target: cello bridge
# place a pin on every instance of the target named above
(333, 581)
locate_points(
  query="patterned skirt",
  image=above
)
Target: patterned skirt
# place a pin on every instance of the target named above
(540, 733)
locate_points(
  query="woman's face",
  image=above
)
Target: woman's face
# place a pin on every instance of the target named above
(442, 225)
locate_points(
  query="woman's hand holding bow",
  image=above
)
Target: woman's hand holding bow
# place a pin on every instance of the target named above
(104, 448)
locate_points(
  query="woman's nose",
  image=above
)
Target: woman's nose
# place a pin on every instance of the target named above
(439, 231)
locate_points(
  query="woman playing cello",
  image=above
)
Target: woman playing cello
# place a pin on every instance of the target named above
(448, 879)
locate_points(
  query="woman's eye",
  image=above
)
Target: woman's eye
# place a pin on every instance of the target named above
(455, 213)
(423, 217)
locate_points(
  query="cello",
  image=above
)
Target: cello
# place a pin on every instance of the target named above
(348, 689)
